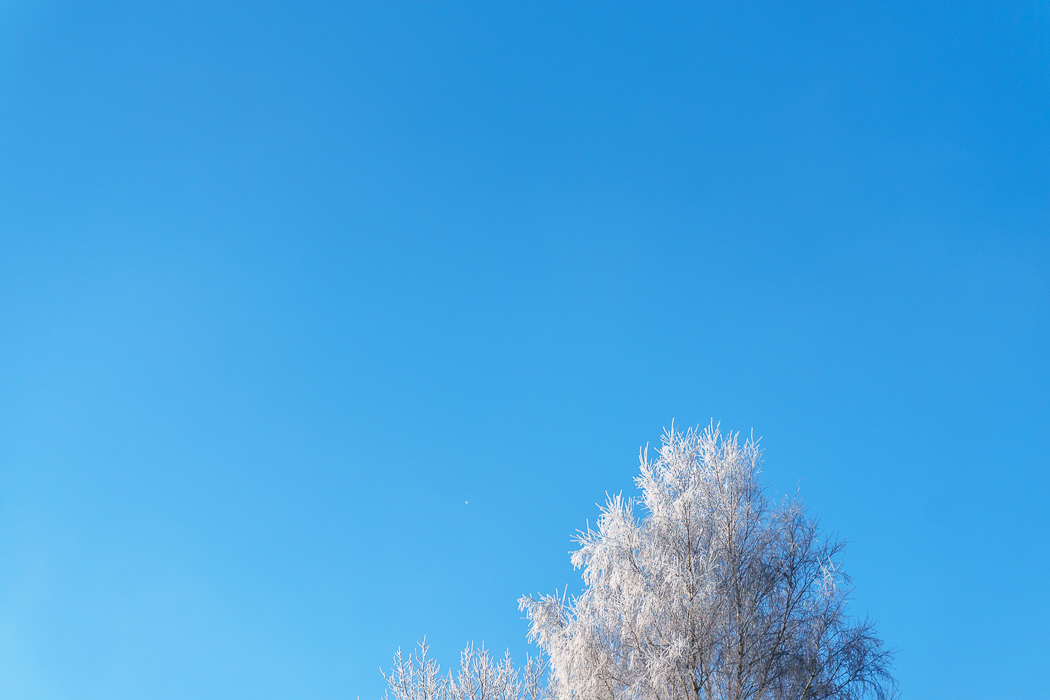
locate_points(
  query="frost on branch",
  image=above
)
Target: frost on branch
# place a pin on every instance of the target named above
(481, 677)
(715, 593)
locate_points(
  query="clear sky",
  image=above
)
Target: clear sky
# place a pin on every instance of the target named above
(282, 287)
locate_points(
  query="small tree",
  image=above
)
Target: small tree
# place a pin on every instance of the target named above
(481, 677)
(715, 593)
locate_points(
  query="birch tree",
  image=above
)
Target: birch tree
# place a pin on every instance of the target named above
(703, 588)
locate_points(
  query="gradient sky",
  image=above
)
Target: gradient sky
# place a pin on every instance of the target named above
(283, 287)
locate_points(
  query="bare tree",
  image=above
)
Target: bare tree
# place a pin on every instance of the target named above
(716, 593)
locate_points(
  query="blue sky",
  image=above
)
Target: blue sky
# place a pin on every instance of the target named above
(282, 287)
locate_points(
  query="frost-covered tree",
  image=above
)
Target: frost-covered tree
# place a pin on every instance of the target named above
(710, 592)
(481, 677)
